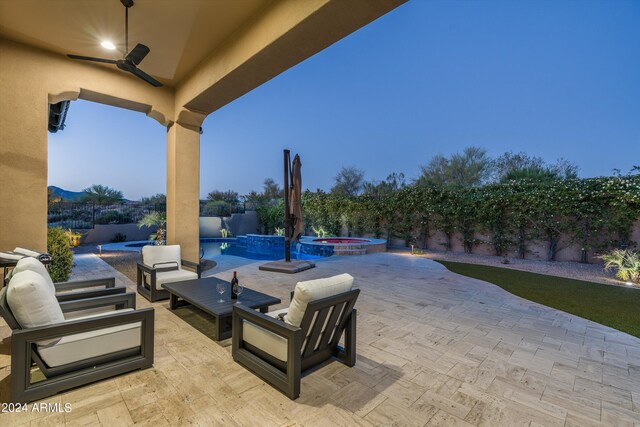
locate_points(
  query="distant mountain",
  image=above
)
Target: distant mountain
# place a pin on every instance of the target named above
(66, 195)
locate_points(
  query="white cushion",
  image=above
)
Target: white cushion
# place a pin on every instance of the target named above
(173, 276)
(33, 264)
(312, 290)
(27, 252)
(85, 345)
(152, 255)
(14, 257)
(32, 301)
(265, 340)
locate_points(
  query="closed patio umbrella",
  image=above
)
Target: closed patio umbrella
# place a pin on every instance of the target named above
(293, 226)
(295, 209)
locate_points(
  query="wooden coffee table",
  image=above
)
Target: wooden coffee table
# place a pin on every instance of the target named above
(202, 293)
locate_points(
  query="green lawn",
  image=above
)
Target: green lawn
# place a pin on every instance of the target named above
(614, 306)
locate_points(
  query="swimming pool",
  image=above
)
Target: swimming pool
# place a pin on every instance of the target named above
(242, 248)
(271, 248)
(213, 247)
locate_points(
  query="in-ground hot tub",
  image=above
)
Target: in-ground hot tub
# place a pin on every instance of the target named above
(341, 245)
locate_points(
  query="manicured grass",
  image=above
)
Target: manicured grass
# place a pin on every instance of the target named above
(613, 306)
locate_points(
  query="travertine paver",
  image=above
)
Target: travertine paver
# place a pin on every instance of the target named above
(434, 348)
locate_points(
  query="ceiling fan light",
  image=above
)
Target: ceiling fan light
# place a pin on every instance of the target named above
(108, 45)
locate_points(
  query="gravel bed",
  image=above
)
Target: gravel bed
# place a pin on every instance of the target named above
(572, 270)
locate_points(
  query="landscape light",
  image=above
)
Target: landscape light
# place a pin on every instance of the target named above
(108, 45)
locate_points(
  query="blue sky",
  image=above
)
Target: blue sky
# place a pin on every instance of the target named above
(551, 78)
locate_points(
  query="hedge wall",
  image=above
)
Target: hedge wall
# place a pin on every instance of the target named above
(597, 213)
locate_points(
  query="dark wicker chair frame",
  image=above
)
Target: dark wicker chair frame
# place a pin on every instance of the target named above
(302, 354)
(24, 354)
(147, 288)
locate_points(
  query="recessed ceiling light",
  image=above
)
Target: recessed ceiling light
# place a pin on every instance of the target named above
(108, 45)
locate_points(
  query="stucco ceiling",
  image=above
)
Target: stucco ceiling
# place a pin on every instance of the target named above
(180, 33)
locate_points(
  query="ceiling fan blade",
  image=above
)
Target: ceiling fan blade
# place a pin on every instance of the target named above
(90, 58)
(137, 54)
(146, 77)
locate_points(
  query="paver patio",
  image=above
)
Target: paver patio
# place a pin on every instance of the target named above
(434, 348)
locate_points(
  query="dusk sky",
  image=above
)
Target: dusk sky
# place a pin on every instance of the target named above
(551, 78)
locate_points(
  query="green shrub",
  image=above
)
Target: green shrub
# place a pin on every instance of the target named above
(74, 237)
(119, 237)
(58, 246)
(625, 262)
(270, 216)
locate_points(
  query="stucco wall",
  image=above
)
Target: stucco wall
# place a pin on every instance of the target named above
(246, 223)
(536, 250)
(210, 226)
(106, 233)
(29, 80)
(635, 234)
(238, 224)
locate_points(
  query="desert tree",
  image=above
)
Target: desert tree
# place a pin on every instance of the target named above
(470, 168)
(348, 182)
(101, 194)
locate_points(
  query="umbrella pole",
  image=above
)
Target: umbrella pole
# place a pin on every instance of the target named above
(287, 219)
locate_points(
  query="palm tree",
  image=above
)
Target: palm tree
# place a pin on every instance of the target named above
(101, 194)
(155, 219)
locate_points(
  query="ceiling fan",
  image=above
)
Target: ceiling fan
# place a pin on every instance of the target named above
(132, 59)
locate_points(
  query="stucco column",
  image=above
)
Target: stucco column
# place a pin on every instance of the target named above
(183, 189)
(23, 163)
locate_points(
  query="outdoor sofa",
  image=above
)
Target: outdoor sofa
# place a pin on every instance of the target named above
(74, 339)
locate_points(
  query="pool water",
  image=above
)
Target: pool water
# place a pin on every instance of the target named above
(218, 246)
(271, 248)
(234, 248)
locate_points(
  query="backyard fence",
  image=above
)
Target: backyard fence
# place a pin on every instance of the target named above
(85, 216)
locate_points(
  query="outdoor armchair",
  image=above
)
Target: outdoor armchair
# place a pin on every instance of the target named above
(52, 350)
(280, 345)
(163, 264)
